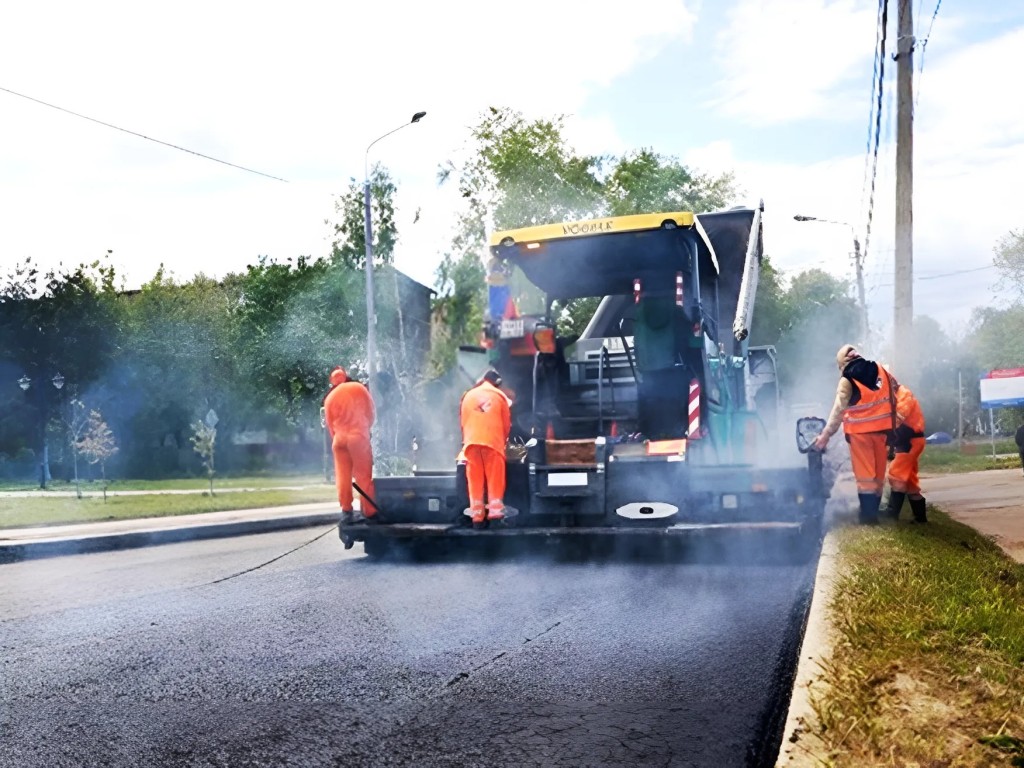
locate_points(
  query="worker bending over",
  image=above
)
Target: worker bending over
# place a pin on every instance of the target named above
(908, 443)
(868, 406)
(485, 415)
(349, 413)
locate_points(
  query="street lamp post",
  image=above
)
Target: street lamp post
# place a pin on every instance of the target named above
(371, 321)
(859, 268)
(44, 462)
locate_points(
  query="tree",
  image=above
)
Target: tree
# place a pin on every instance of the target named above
(821, 316)
(204, 438)
(1009, 260)
(644, 181)
(349, 244)
(98, 446)
(76, 423)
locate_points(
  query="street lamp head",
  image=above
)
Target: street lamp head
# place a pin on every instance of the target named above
(798, 217)
(417, 117)
(24, 382)
(58, 381)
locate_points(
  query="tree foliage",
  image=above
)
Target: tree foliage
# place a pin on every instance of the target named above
(644, 181)
(1009, 260)
(204, 442)
(97, 445)
(349, 244)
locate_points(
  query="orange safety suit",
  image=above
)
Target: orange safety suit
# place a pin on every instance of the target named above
(908, 442)
(349, 413)
(866, 423)
(486, 418)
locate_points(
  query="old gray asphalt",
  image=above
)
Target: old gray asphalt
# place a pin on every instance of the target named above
(327, 658)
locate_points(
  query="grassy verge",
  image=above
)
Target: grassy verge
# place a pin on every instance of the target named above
(48, 511)
(977, 456)
(186, 483)
(928, 660)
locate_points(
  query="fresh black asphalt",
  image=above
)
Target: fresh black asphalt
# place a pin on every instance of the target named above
(328, 658)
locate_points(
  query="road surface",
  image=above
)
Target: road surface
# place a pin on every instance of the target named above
(329, 658)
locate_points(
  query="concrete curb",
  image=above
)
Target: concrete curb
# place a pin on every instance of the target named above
(106, 542)
(816, 646)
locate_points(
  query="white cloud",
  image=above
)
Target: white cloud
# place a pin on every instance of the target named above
(295, 91)
(969, 159)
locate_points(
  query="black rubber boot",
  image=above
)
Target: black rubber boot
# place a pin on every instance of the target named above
(919, 508)
(869, 504)
(896, 499)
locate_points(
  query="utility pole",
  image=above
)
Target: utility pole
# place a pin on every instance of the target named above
(864, 332)
(960, 409)
(861, 299)
(903, 310)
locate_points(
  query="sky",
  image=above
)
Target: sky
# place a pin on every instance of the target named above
(777, 92)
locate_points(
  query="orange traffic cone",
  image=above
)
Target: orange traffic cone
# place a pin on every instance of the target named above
(615, 429)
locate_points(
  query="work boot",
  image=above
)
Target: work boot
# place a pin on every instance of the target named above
(919, 508)
(496, 510)
(896, 499)
(479, 518)
(347, 517)
(869, 504)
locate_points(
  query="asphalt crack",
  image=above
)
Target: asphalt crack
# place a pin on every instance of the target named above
(465, 675)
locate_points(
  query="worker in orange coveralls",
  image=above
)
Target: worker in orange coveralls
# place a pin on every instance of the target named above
(349, 413)
(908, 444)
(868, 406)
(486, 418)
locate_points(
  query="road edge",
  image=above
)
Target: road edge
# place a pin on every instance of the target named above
(107, 542)
(816, 645)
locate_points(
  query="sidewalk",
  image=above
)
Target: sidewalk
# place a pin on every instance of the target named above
(53, 540)
(37, 493)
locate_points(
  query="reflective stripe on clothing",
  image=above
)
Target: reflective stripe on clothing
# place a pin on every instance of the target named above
(868, 455)
(873, 411)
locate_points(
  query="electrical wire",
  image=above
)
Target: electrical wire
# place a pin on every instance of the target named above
(883, 13)
(924, 47)
(871, 112)
(141, 135)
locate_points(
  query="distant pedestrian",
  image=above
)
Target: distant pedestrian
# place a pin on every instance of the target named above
(349, 413)
(1018, 438)
(876, 411)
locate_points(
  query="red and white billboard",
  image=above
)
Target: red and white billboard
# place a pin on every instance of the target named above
(1002, 388)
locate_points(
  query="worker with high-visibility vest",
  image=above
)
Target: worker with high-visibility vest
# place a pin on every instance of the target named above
(486, 419)
(349, 413)
(871, 406)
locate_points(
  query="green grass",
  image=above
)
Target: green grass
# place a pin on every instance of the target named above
(187, 483)
(928, 661)
(53, 510)
(974, 457)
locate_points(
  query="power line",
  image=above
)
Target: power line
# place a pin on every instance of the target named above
(871, 115)
(957, 272)
(924, 47)
(883, 14)
(936, 277)
(142, 135)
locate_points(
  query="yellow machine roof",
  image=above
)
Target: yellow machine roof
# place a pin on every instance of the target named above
(545, 232)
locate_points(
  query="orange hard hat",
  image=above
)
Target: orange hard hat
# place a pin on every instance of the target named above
(338, 376)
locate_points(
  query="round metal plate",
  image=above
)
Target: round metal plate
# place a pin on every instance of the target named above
(646, 510)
